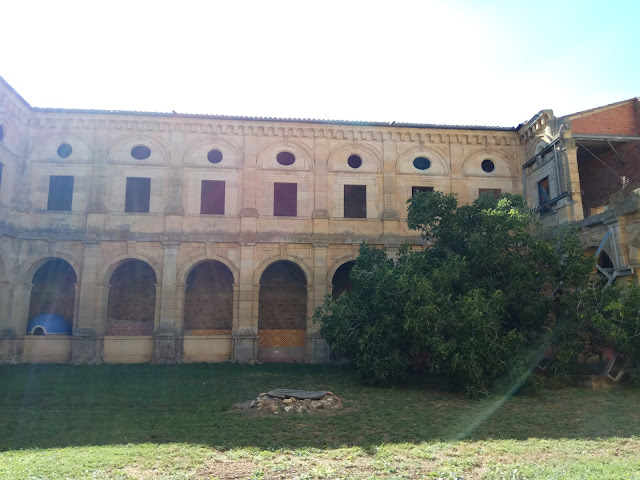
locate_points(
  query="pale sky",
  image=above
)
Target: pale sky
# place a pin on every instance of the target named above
(444, 62)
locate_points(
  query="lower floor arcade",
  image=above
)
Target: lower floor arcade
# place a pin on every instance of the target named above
(167, 303)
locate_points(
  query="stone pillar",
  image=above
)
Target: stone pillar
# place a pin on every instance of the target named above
(321, 202)
(87, 342)
(167, 343)
(10, 345)
(245, 332)
(573, 181)
(390, 217)
(97, 208)
(249, 186)
(13, 334)
(174, 209)
(317, 350)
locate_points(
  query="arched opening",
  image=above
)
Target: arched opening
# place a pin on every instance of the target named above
(132, 300)
(341, 281)
(208, 305)
(52, 301)
(282, 313)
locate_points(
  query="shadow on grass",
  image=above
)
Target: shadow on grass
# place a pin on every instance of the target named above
(44, 406)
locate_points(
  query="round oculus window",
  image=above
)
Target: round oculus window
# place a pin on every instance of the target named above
(64, 150)
(488, 166)
(141, 152)
(286, 158)
(354, 161)
(214, 156)
(421, 163)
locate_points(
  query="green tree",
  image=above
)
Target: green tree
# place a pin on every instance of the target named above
(477, 303)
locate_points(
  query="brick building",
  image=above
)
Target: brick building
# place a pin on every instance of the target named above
(172, 237)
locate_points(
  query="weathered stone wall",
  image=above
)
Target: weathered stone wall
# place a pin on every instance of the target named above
(209, 300)
(283, 298)
(132, 300)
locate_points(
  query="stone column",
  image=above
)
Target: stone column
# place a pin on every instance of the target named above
(320, 213)
(390, 217)
(97, 208)
(167, 344)
(245, 332)
(573, 181)
(8, 335)
(17, 324)
(318, 350)
(87, 342)
(248, 172)
(174, 209)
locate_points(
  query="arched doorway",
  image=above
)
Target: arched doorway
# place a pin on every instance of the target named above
(341, 281)
(51, 313)
(52, 301)
(132, 300)
(282, 313)
(208, 313)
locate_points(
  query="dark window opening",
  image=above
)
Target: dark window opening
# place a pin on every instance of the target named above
(285, 158)
(543, 191)
(64, 150)
(132, 299)
(488, 166)
(1, 165)
(212, 197)
(355, 201)
(60, 193)
(214, 156)
(354, 161)
(138, 195)
(421, 163)
(604, 260)
(494, 192)
(285, 199)
(1, 133)
(416, 190)
(140, 152)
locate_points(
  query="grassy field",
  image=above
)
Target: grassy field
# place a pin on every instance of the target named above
(177, 422)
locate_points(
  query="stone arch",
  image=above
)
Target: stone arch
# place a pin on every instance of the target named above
(209, 299)
(46, 147)
(503, 163)
(192, 262)
(605, 259)
(439, 161)
(196, 152)
(290, 258)
(371, 158)
(338, 263)
(119, 150)
(304, 156)
(53, 291)
(341, 282)
(131, 304)
(282, 312)
(29, 269)
(104, 274)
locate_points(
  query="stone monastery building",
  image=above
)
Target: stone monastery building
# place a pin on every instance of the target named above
(158, 237)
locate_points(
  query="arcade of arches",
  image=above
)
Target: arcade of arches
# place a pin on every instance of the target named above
(208, 307)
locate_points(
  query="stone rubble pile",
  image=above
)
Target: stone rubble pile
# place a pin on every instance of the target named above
(270, 404)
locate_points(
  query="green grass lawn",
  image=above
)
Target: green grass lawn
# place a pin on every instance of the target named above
(176, 422)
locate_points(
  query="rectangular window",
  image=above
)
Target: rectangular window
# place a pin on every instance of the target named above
(355, 201)
(285, 199)
(212, 197)
(415, 190)
(60, 193)
(138, 195)
(495, 192)
(543, 191)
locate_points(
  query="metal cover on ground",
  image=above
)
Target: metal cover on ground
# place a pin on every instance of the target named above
(299, 394)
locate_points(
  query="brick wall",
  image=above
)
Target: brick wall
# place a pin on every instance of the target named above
(53, 290)
(283, 298)
(599, 183)
(209, 298)
(621, 120)
(132, 300)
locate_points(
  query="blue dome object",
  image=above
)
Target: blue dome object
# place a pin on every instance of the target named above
(51, 323)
